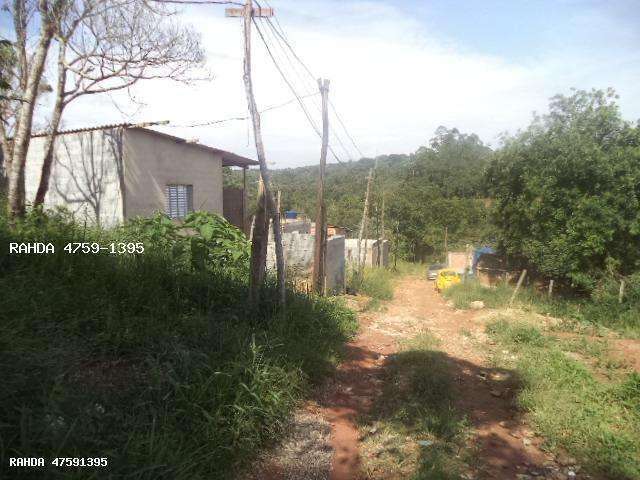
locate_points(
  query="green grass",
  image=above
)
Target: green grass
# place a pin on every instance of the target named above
(579, 313)
(462, 294)
(596, 421)
(416, 407)
(404, 268)
(374, 282)
(162, 367)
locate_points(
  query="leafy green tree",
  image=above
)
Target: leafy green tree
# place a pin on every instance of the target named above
(443, 188)
(7, 61)
(567, 190)
(438, 186)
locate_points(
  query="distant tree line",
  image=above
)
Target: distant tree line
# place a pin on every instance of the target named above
(561, 197)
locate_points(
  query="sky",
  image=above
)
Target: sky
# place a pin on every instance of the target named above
(398, 70)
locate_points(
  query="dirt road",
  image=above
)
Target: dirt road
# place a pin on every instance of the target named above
(325, 442)
(506, 448)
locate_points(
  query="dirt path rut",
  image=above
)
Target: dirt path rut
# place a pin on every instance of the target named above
(506, 448)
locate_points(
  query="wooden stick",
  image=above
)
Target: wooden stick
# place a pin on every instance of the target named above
(515, 292)
(363, 223)
(550, 288)
(259, 242)
(621, 292)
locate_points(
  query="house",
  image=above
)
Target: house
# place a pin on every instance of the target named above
(111, 173)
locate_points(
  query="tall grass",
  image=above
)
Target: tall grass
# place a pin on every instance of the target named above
(597, 422)
(374, 282)
(151, 361)
(601, 309)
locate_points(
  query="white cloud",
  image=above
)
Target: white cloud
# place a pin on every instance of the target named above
(391, 81)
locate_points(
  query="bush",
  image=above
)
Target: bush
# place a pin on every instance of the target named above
(602, 309)
(152, 360)
(202, 240)
(567, 191)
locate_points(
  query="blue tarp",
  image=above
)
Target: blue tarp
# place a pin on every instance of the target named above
(478, 253)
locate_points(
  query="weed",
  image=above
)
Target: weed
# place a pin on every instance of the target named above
(597, 422)
(462, 294)
(152, 360)
(416, 431)
(598, 313)
(374, 282)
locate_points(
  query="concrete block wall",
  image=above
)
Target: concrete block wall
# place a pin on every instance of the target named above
(298, 256)
(369, 251)
(460, 261)
(301, 226)
(86, 175)
(335, 265)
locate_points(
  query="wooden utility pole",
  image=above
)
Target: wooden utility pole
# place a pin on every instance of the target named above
(320, 254)
(363, 223)
(261, 229)
(259, 242)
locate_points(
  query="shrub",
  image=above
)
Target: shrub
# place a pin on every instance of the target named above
(202, 240)
(462, 294)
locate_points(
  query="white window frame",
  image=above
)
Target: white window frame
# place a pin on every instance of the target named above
(178, 200)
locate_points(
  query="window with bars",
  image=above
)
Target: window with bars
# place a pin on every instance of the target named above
(178, 200)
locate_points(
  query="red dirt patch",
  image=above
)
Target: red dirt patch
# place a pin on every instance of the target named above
(507, 449)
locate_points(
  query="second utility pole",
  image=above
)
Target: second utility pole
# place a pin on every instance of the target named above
(320, 253)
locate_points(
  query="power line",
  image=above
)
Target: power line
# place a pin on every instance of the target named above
(199, 2)
(302, 80)
(280, 33)
(285, 51)
(279, 39)
(291, 87)
(230, 119)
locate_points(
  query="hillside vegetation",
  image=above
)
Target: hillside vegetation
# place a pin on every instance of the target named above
(440, 185)
(560, 198)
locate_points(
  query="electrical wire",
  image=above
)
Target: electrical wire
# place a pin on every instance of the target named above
(278, 41)
(199, 2)
(230, 119)
(292, 88)
(279, 31)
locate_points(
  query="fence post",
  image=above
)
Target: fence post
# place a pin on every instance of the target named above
(515, 292)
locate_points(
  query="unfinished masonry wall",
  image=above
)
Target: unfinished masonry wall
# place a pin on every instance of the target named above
(298, 258)
(369, 251)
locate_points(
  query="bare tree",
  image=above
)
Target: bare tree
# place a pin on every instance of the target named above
(102, 46)
(16, 131)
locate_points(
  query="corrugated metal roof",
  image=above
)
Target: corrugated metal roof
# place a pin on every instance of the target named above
(228, 158)
(87, 129)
